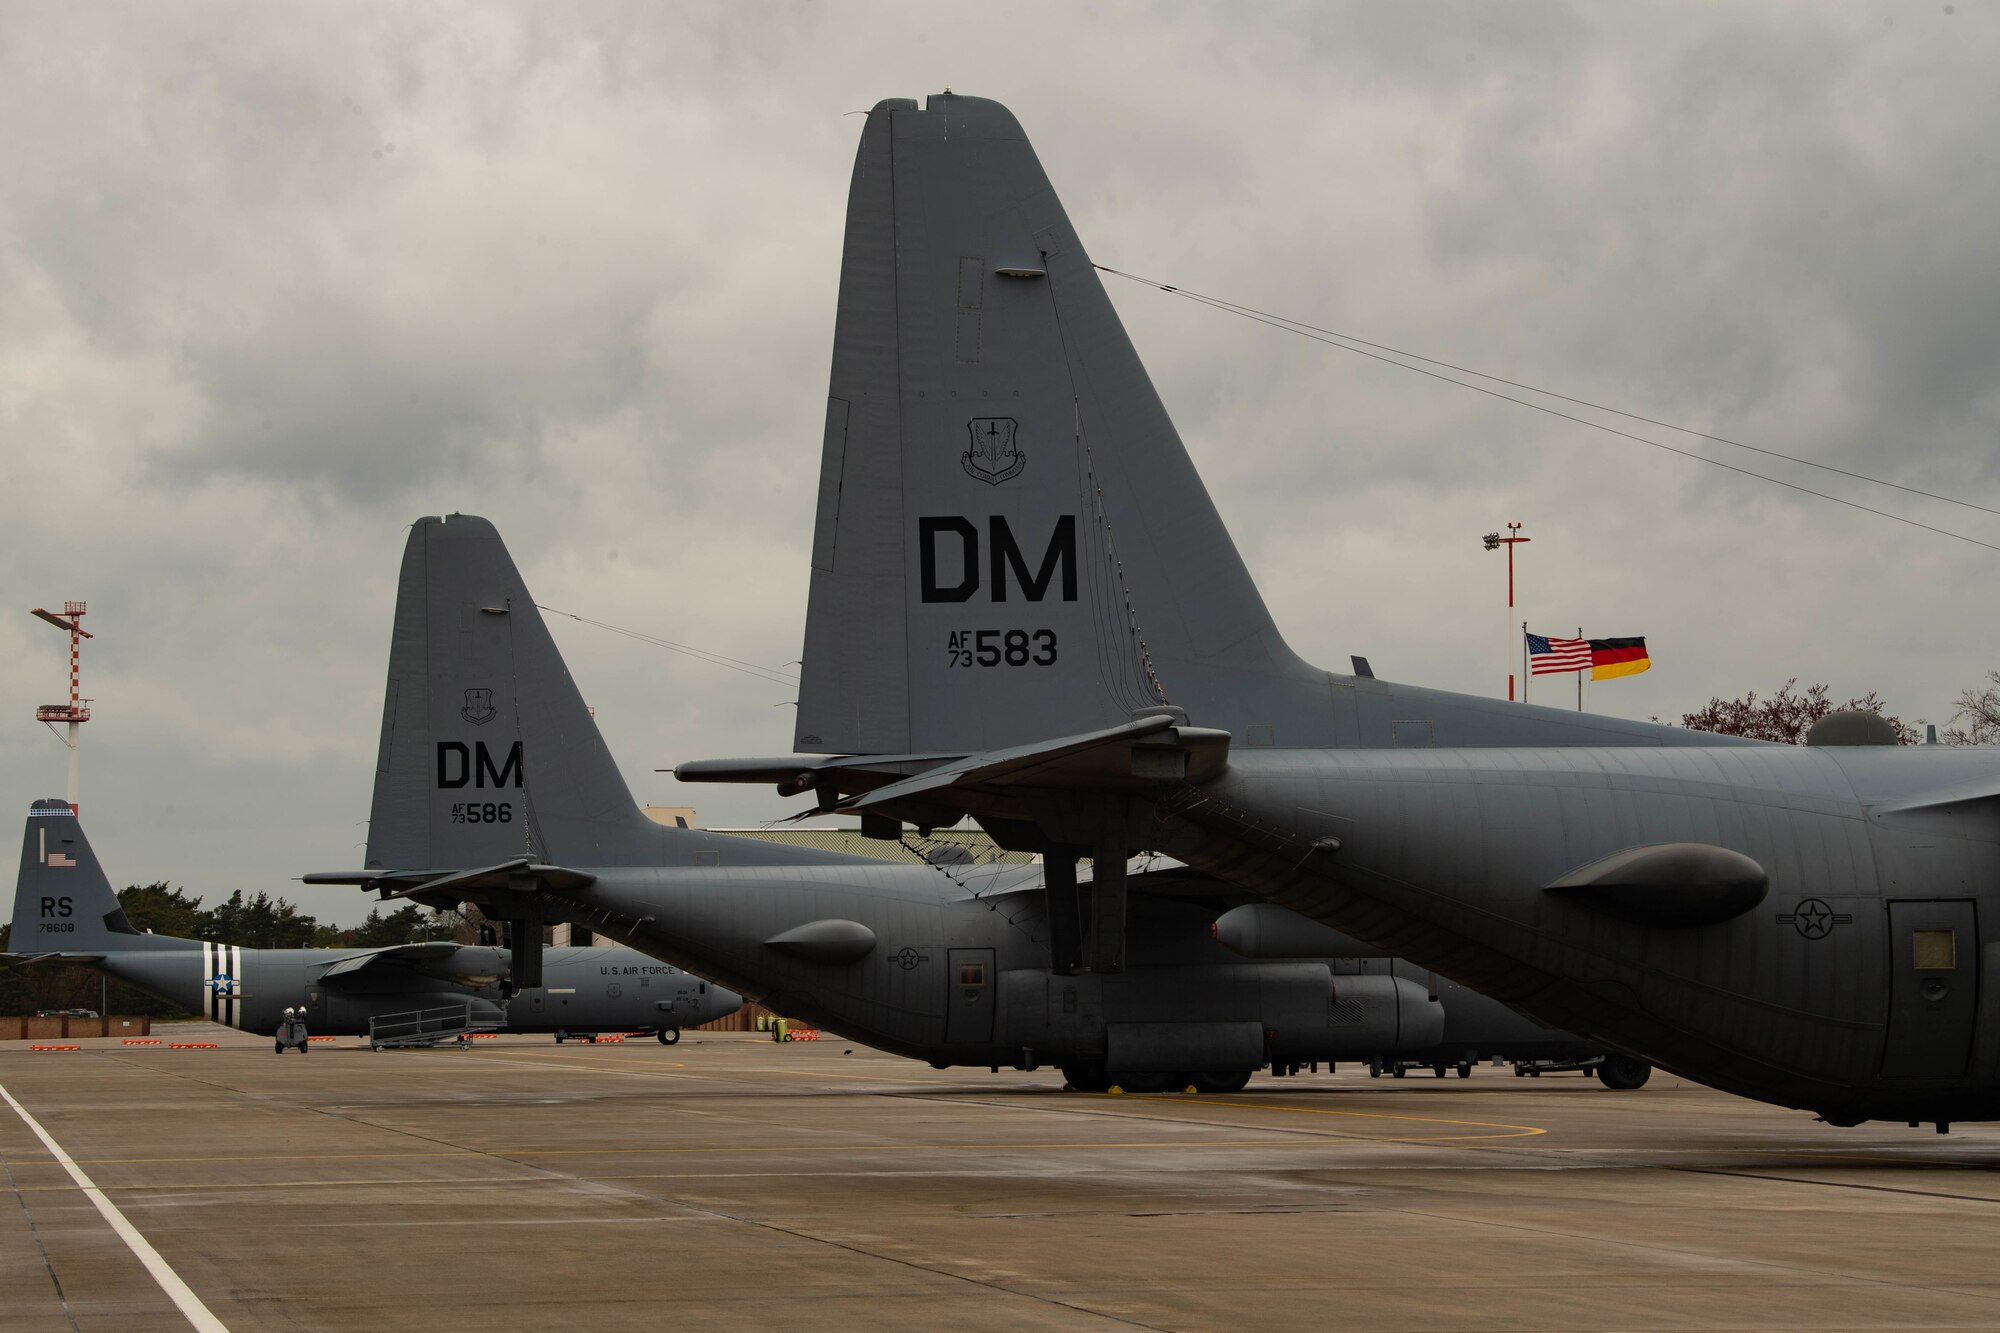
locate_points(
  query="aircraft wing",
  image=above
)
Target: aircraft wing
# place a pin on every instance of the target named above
(438, 957)
(54, 957)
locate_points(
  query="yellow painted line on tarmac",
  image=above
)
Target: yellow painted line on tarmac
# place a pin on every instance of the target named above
(561, 1062)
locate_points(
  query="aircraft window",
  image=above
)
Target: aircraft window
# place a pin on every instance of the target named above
(972, 974)
(1934, 950)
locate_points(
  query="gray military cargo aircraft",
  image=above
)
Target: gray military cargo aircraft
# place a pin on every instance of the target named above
(1024, 607)
(64, 909)
(944, 962)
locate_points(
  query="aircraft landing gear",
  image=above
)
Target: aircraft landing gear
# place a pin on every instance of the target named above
(1149, 1080)
(1623, 1072)
(1086, 1076)
(1235, 1081)
(1091, 1076)
(670, 1036)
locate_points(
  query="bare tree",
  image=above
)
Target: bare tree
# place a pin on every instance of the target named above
(1789, 714)
(1979, 710)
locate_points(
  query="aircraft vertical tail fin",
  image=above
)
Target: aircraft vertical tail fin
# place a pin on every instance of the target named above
(488, 752)
(1011, 540)
(63, 903)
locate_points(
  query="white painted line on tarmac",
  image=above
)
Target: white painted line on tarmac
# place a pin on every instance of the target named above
(170, 1282)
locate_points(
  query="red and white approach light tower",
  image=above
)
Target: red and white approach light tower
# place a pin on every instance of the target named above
(1516, 639)
(77, 711)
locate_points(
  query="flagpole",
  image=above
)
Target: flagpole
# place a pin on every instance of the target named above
(1524, 661)
(1579, 677)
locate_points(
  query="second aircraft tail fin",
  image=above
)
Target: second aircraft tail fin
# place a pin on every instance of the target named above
(488, 752)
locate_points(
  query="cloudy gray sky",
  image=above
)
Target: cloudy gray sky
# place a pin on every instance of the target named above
(276, 279)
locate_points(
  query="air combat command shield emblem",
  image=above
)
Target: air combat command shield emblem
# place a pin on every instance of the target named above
(478, 708)
(993, 457)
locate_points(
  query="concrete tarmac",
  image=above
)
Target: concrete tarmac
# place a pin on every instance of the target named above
(733, 1183)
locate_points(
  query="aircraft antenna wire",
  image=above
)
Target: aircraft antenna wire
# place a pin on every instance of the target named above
(771, 674)
(1347, 343)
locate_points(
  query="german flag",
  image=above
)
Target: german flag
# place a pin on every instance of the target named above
(1612, 658)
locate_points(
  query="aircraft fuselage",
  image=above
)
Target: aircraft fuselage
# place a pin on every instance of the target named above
(1852, 989)
(952, 966)
(585, 989)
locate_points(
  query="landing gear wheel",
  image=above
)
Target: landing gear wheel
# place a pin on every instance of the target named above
(670, 1037)
(1235, 1081)
(1086, 1076)
(277, 1047)
(1146, 1080)
(1623, 1072)
(1398, 1072)
(1438, 1070)
(1465, 1071)
(561, 1037)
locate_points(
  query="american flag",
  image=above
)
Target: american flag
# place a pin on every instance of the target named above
(1550, 656)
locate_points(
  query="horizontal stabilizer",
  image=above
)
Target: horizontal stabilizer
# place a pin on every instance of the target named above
(1669, 884)
(410, 883)
(793, 774)
(1144, 750)
(1938, 798)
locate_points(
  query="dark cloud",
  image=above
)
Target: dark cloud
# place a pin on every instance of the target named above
(277, 281)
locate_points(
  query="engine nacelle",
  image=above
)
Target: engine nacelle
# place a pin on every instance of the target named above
(1262, 930)
(1364, 1017)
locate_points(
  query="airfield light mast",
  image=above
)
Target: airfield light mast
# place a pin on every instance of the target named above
(77, 711)
(1494, 541)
